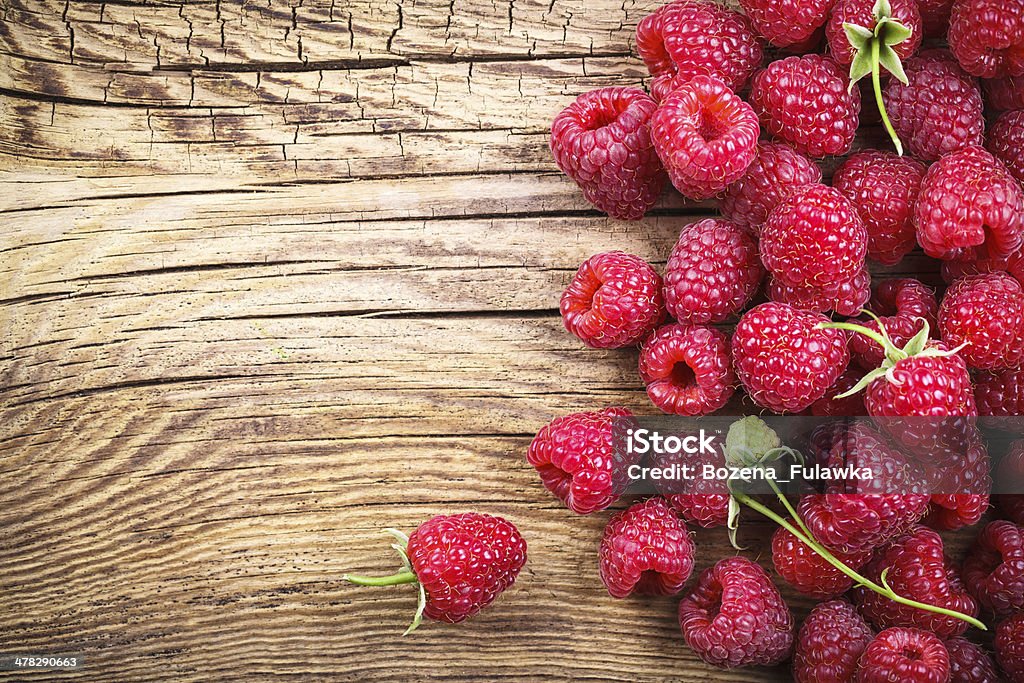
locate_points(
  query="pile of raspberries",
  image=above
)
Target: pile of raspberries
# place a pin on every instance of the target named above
(773, 298)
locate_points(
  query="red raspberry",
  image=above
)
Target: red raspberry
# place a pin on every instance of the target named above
(735, 616)
(904, 654)
(961, 496)
(700, 501)
(788, 23)
(918, 570)
(935, 16)
(603, 142)
(940, 110)
(687, 369)
(994, 568)
(923, 386)
(847, 298)
(805, 101)
(706, 510)
(807, 571)
(714, 270)
(861, 13)
(462, 562)
(1009, 646)
(705, 135)
(614, 300)
(777, 169)
(986, 312)
(900, 303)
(575, 456)
(1005, 94)
(987, 37)
(883, 188)
(814, 238)
(830, 406)
(646, 549)
(1006, 142)
(783, 360)
(830, 643)
(968, 663)
(691, 38)
(999, 394)
(969, 206)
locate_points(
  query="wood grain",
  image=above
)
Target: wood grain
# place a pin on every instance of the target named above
(277, 275)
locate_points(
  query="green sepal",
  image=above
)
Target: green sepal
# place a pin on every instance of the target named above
(892, 32)
(890, 61)
(733, 523)
(406, 575)
(882, 8)
(859, 68)
(858, 36)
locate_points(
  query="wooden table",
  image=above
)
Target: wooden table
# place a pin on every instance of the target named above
(277, 275)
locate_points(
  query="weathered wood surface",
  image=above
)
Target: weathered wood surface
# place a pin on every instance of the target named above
(275, 276)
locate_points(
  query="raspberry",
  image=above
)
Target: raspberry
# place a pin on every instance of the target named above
(847, 298)
(575, 457)
(462, 562)
(830, 406)
(939, 110)
(691, 38)
(1005, 94)
(968, 663)
(1006, 142)
(777, 169)
(706, 510)
(700, 501)
(1000, 394)
(883, 188)
(603, 142)
(788, 24)
(687, 369)
(861, 13)
(783, 360)
(705, 135)
(714, 270)
(807, 571)
(814, 238)
(994, 568)
(969, 206)
(900, 303)
(1009, 646)
(987, 37)
(805, 101)
(961, 496)
(904, 654)
(935, 16)
(830, 643)
(614, 300)
(735, 616)
(918, 570)
(646, 549)
(986, 312)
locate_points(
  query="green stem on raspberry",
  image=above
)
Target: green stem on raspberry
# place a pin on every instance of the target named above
(789, 507)
(876, 81)
(406, 576)
(398, 579)
(883, 590)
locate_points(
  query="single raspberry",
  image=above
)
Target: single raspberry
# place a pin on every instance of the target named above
(783, 360)
(461, 563)
(773, 174)
(614, 300)
(690, 38)
(901, 304)
(883, 187)
(968, 663)
(1009, 646)
(969, 206)
(961, 494)
(845, 298)
(1005, 94)
(1006, 142)
(805, 101)
(918, 570)
(603, 142)
(985, 312)
(646, 549)
(994, 568)
(713, 272)
(575, 457)
(788, 24)
(935, 17)
(1000, 395)
(814, 238)
(904, 654)
(809, 572)
(987, 37)
(861, 13)
(939, 109)
(687, 369)
(735, 616)
(830, 406)
(705, 135)
(830, 643)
